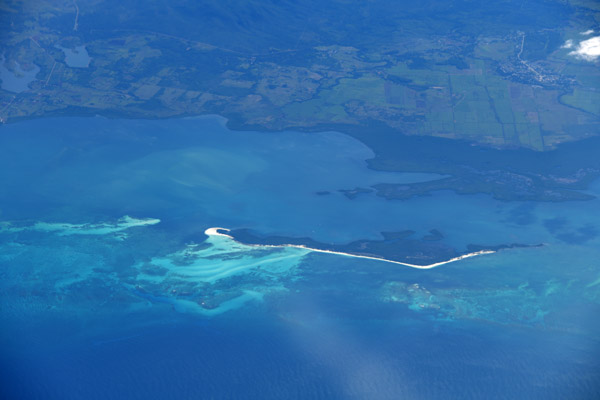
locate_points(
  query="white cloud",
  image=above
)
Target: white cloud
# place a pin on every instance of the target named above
(568, 44)
(588, 50)
(586, 33)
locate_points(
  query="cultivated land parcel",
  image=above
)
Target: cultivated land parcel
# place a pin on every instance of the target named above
(441, 75)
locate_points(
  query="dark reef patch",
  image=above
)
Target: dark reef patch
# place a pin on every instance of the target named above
(580, 235)
(522, 214)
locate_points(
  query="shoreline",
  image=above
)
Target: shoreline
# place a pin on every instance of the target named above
(215, 232)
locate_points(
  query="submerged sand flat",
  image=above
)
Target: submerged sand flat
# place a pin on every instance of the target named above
(224, 258)
(67, 229)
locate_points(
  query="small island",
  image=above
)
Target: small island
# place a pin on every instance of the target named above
(395, 249)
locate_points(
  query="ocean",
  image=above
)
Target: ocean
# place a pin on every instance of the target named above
(110, 289)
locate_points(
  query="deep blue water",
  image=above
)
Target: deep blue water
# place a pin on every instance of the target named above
(102, 309)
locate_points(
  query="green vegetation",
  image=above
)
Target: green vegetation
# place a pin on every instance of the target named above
(491, 84)
(584, 99)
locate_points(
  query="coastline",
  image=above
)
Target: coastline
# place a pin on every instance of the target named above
(215, 232)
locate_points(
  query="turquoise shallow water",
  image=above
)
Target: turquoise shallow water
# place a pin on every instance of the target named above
(111, 289)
